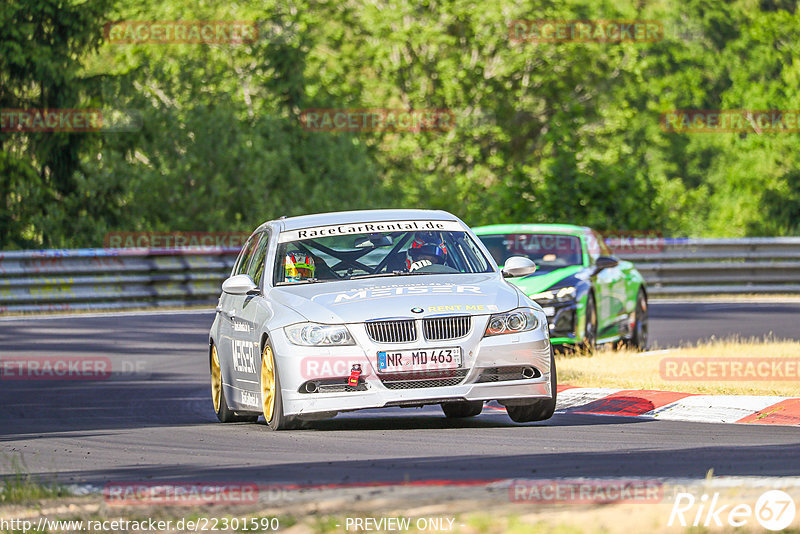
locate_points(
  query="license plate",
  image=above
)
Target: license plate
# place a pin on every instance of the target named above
(419, 360)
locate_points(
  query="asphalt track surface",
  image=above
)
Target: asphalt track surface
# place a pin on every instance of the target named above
(154, 422)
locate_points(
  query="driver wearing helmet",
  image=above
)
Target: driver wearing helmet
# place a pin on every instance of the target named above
(424, 251)
(299, 266)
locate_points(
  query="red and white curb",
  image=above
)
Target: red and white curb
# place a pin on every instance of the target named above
(674, 406)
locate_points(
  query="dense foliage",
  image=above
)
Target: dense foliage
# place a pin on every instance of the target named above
(553, 132)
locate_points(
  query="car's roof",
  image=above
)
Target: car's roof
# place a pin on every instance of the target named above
(362, 216)
(531, 229)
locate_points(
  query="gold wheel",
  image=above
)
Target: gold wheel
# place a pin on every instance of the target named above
(267, 383)
(216, 379)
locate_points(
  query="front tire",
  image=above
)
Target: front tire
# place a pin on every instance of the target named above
(271, 398)
(539, 410)
(458, 410)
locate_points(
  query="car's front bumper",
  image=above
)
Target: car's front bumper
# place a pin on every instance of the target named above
(484, 358)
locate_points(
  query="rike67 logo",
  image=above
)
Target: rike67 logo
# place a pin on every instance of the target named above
(774, 510)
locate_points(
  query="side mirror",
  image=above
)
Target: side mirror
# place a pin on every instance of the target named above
(517, 266)
(605, 262)
(240, 284)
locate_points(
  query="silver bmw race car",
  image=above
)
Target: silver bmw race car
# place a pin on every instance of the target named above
(370, 309)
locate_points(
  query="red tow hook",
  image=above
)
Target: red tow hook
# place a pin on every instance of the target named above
(355, 372)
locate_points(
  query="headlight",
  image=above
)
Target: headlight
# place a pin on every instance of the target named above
(513, 322)
(565, 293)
(313, 334)
(544, 295)
(559, 295)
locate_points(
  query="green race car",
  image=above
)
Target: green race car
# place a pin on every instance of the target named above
(589, 296)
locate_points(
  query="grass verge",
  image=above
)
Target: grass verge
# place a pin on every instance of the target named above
(20, 487)
(626, 369)
(463, 510)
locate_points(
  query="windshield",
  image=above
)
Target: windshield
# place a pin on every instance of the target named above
(385, 253)
(548, 251)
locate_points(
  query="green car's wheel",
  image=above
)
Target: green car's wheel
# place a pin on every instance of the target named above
(639, 334)
(589, 343)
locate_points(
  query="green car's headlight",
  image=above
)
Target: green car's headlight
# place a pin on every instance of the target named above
(314, 334)
(513, 322)
(559, 295)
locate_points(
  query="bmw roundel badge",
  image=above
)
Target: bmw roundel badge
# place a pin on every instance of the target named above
(417, 310)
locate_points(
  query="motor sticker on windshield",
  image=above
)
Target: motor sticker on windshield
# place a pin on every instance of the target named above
(372, 227)
(359, 295)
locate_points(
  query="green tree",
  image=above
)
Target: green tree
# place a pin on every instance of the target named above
(43, 44)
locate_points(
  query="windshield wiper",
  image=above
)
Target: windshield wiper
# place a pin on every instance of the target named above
(393, 273)
(303, 281)
(360, 276)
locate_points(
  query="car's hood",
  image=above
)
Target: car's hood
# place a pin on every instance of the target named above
(355, 301)
(538, 282)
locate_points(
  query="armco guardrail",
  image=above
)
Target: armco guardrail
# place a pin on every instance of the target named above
(50, 280)
(121, 278)
(694, 266)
